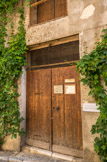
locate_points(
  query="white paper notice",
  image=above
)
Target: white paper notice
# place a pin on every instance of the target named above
(58, 89)
(69, 80)
(70, 89)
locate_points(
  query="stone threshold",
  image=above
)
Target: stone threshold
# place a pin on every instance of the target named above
(34, 150)
(32, 154)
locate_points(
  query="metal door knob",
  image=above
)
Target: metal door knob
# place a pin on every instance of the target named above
(58, 108)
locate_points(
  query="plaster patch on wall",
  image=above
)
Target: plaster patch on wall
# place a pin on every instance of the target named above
(105, 3)
(87, 12)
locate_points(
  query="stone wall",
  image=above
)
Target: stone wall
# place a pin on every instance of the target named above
(83, 17)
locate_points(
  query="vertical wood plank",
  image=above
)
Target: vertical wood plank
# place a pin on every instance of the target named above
(60, 8)
(33, 13)
(58, 101)
(44, 11)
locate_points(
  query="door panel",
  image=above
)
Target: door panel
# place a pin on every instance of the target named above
(67, 127)
(54, 110)
(58, 108)
(73, 128)
(39, 106)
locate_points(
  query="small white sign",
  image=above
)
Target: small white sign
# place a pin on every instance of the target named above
(90, 107)
(70, 89)
(69, 80)
(58, 89)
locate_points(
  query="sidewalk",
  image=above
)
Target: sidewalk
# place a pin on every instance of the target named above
(28, 157)
(25, 157)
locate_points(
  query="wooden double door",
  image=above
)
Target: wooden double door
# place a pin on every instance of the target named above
(54, 110)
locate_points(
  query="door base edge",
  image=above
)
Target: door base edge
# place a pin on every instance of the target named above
(34, 150)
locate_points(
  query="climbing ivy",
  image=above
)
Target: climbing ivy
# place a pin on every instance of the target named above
(93, 70)
(12, 58)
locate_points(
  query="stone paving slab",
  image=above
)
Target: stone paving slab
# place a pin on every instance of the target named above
(4, 156)
(28, 157)
(25, 157)
(53, 155)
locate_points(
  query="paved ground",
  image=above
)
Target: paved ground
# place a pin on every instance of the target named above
(25, 157)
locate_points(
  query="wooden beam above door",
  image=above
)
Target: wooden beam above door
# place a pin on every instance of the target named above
(54, 42)
(37, 3)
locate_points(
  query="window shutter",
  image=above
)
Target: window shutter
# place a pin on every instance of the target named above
(60, 8)
(47, 10)
(33, 13)
(44, 11)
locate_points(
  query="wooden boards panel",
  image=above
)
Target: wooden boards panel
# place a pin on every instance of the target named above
(67, 124)
(58, 107)
(44, 11)
(54, 110)
(60, 8)
(39, 105)
(55, 54)
(38, 144)
(67, 151)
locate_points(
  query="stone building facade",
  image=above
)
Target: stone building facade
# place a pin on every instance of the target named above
(84, 19)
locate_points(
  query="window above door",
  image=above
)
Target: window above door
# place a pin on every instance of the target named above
(60, 54)
(45, 10)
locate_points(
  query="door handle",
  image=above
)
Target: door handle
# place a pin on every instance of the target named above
(58, 108)
(38, 93)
